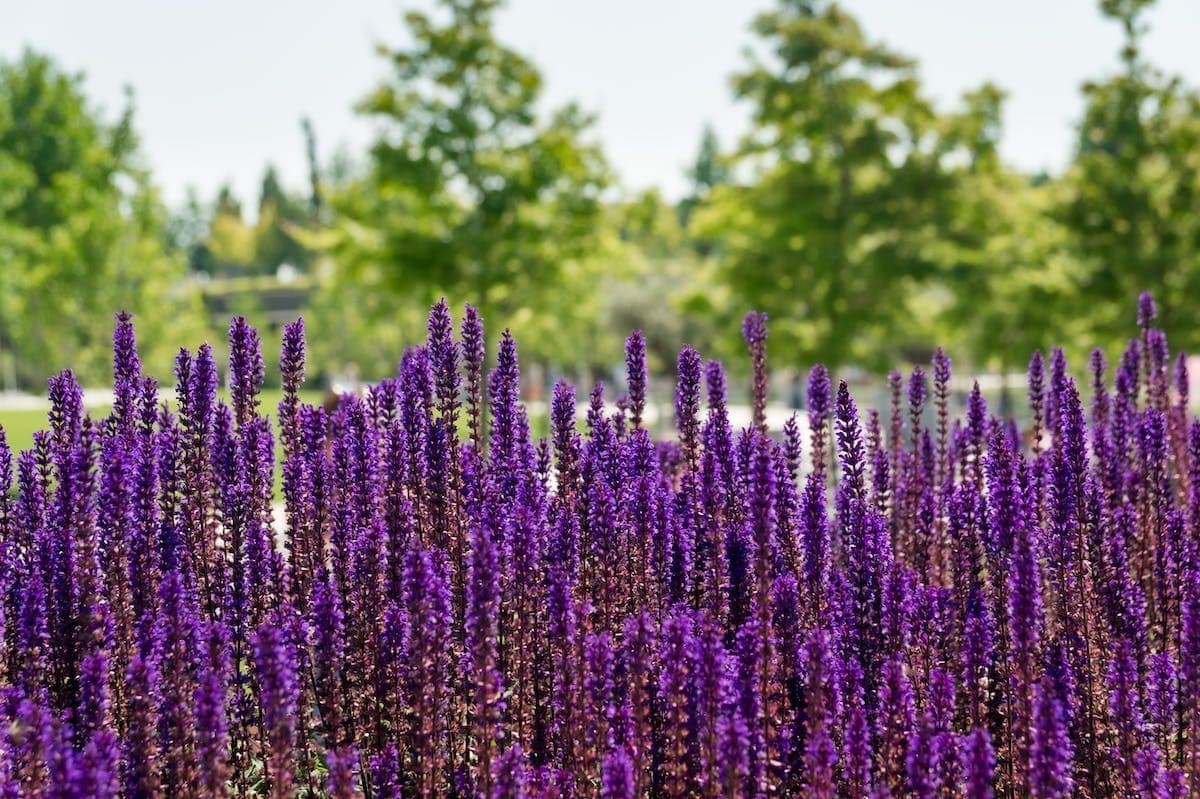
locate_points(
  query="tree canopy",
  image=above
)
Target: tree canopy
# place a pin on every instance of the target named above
(82, 231)
(471, 190)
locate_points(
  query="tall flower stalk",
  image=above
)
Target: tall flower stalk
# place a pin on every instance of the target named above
(863, 603)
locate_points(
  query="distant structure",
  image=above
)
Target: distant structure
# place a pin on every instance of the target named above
(274, 299)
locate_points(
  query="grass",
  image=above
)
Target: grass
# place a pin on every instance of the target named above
(20, 425)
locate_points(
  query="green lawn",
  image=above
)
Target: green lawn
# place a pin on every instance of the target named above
(19, 426)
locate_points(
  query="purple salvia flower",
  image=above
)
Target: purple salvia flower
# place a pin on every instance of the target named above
(482, 614)
(635, 375)
(856, 746)
(894, 725)
(932, 762)
(443, 357)
(941, 401)
(819, 401)
(1025, 617)
(1050, 751)
(566, 440)
(1037, 397)
(127, 372)
(1176, 784)
(473, 355)
(427, 598)
(616, 776)
(100, 766)
(793, 443)
(141, 744)
(687, 404)
(977, 423)
(1146, 310)
(1124, 703)
(918, 393)
(673, 690)
(820, 753)
(385, 772)
(504, 394)
(509, 778)
(1151, 776)
(754, 331)
(177, 646)
(1162, 697)
(246, 369)
(342, 782)
(328, 655)
(978, 765)
(714, 702)
(274, 658)
(212, 726)
(815, 533)
(291, 375)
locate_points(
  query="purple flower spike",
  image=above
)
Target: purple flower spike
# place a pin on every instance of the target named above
(616, 779)
(754, 331)
(635, 375)
(687, 403)
(1050, 753)
(978, 765)
(1147, 311)
(275, 670)
(246, 369)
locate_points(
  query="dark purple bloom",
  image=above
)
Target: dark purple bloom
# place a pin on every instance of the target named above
(978, 765)
(246, 369)
(635, 375)
(342, 782)
(274, 658)
(1050, 752)
(616, 778)
(1146, 310)
(687, 403)
(754, 331)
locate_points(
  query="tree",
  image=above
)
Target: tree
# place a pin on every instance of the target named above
(82, 232)
(279, 214)
(846, 183)
(187, 233)
(1006, 271)
(231, 242)
(706, 173)
(1133, 189)
(470, 192)
(315, 201)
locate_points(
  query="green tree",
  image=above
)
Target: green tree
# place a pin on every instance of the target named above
(82, 232)
(1006, 270)
(315, 200)
(231, 242)
(1133, 190)
(187, 232)
(706, 173)
(279, 214)
(846, 185)
(470, 192)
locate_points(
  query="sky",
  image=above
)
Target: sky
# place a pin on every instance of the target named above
(220, 85)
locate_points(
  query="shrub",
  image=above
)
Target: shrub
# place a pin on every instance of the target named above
(445, 607)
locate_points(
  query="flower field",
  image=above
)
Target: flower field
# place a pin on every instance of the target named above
(909, 605)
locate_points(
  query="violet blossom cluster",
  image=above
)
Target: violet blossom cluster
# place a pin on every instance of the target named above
(443, 606)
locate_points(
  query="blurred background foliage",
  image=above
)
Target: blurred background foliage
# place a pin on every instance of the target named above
(868, 222)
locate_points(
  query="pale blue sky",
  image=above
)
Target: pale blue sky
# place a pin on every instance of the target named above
(221, 84)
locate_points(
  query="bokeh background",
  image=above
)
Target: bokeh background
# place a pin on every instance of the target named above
(879, 177)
